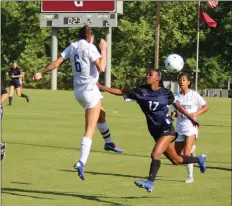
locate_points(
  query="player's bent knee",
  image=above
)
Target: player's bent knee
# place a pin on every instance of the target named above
(155, 156)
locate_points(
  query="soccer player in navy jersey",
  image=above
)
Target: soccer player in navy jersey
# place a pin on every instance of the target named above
(15, 74)
(153, 100)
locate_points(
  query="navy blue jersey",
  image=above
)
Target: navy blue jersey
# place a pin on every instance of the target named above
(154, 104)
(15, 71)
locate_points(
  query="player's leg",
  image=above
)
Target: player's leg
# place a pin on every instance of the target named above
(20, 94)
(171, 154)
(179, 147)
(188, 150)
(160, 147)
(105, 131)
(11, 92)
(92, 104)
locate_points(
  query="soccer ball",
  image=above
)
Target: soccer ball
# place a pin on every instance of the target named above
(174, 63)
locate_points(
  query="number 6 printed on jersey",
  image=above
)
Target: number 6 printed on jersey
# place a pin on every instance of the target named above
(77, 63)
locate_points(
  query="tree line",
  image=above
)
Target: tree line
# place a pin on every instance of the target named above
(132, 42)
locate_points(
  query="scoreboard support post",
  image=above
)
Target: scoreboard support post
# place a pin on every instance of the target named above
(54, 57)
(108, 56)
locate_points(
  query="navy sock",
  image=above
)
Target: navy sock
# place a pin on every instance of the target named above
(154, 168)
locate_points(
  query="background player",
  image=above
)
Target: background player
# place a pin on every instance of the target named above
(153, 100)
(4, 96)
(187, 132)
(86, 64)
(15, 74)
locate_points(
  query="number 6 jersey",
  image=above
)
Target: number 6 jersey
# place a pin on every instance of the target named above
(82, 56)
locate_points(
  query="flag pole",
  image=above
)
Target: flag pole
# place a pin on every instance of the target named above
(197, 53)
(157, 34)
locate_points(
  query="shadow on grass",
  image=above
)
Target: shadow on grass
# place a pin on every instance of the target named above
(219, 168)
(97, 198)
(76, 149)
(214, 125)
(22, 195)
(21, 183)
(208, 167)
(120, 175)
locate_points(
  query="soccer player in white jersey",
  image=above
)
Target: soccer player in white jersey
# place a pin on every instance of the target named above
(187, 132)
(86, 64)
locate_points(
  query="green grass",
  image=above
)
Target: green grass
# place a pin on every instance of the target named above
(43, 141)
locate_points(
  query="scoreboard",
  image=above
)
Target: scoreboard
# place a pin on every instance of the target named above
(78, 13)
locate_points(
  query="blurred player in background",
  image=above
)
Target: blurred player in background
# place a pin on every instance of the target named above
(187, 132)
(86, 64)
(4, 96)
(15, 74)
(153, 100)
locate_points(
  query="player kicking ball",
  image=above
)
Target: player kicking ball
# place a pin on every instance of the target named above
(153, 100)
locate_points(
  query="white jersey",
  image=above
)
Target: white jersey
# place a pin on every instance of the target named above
(82, 56)
(192, 101)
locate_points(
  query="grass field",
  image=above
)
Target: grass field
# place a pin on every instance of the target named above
(43, 140)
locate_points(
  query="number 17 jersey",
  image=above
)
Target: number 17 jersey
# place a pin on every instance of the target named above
(154, 104)
(82, 56)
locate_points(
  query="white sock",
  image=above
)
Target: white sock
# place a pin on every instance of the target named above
(190, 170)
(104, 130)
(190, 166)
(85, 149)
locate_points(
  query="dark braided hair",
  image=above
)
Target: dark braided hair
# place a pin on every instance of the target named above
(187, 77)
(85, 33)
(161, 82)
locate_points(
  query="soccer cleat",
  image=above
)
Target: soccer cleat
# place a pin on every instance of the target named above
(202, 159)
(79, 166)
(2, 154)
(112, 147)
(3, 145)
(147, 184)
(27, 98)
(189, 180)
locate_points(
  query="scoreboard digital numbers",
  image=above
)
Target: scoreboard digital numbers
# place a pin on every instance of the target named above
(78, 13)
(78, 19)
(72, 20)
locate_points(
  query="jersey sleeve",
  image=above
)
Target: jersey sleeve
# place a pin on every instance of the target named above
(129, 93)
(199, 100)
(93, 53)
(171, 98)
(66, 53)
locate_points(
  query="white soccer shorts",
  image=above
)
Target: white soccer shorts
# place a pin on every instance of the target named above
(183, 134)
(88, 99)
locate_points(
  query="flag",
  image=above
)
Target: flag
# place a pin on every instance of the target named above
(205, 18)
(212, 4)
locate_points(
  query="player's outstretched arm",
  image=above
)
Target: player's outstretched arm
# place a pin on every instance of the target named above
(114, 91)
(181, 109)
(202, 110)
(49, 68)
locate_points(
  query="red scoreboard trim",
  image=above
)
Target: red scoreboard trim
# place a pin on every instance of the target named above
(69, 6)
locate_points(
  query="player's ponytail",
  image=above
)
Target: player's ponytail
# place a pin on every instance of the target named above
(85, 32)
